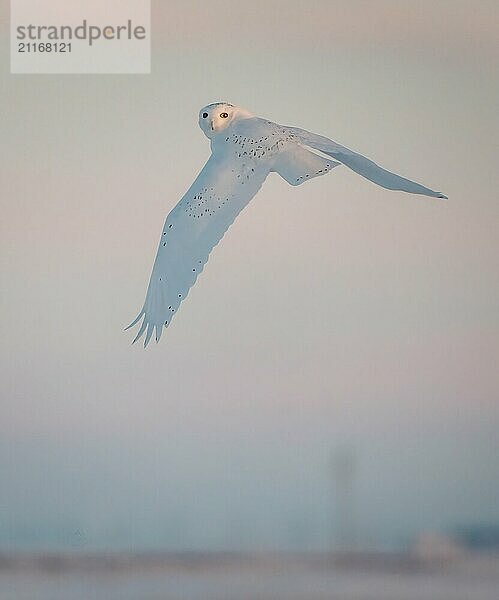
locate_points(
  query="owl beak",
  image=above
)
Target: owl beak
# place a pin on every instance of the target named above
(212, 122)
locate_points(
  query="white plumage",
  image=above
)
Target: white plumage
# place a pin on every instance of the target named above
(244, 150)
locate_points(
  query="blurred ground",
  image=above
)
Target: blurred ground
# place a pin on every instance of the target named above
(216, 576)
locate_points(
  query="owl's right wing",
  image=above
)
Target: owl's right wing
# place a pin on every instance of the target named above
(192, 229)
(360, 164)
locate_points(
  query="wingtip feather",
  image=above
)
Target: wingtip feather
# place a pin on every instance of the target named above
(135, 321)
(150, 329)
(159, 331)
(141, 331)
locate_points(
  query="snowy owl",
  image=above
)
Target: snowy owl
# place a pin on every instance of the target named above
(244, 150)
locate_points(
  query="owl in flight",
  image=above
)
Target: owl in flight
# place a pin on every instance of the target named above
(244, 150)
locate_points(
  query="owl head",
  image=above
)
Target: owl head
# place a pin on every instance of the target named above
(216, 117)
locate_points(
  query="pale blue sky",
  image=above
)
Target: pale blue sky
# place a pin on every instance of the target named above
(333, 313)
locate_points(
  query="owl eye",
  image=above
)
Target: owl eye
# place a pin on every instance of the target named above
(224, 115)
(205, 115)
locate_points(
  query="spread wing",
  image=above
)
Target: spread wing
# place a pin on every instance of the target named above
(362, 165)
(196, 224)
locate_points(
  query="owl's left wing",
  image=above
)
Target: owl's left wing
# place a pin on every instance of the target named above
(192, 229)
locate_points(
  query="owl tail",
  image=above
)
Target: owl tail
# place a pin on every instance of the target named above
(298, 165)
